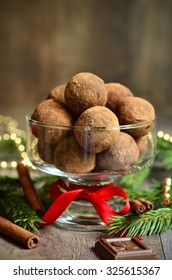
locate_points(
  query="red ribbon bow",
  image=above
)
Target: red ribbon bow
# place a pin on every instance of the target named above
(96, 195)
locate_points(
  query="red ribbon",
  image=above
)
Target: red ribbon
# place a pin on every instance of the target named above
(96, 195)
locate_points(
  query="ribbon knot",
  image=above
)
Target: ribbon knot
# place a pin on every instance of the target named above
(87, 195)
(63, 195)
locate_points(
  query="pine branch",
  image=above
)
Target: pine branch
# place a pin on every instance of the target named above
(9, 184)
(16, 209)
(153, 193)
(152, 222)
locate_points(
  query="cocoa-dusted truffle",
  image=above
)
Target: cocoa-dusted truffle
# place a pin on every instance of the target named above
(83, 91)
(46, 151)
(122, 154)
(71, 158)
(136, 110)
(116, 91)
(142, 143)
(57, 93)
(95, 128)
(52, 113)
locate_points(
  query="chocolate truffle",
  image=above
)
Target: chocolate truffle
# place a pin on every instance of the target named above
(84, 91)
(52, 113)
(122, 154)
(46, 151)
(95, 129)
(142, 143)
(116, 91)
(57, 93)
(71, 158)
(136, 110)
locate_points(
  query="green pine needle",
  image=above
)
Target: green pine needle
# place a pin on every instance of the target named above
(9, 184)
(18, 211)
(152, 194)
(152, 222)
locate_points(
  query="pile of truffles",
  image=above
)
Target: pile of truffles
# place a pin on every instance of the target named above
(82, 120)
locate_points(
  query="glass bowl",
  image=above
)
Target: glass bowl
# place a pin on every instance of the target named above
(89, 157)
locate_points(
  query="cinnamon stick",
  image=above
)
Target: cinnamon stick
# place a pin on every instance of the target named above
(15, 232)
(137, 206)
(146, 203)
(29, 190)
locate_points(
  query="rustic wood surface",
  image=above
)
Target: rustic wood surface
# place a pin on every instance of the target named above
(60, 244)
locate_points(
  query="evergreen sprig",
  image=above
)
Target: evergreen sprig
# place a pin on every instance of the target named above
(19, 212)
(152, 222)
(9, 184)
(153, 194)
(14, 206)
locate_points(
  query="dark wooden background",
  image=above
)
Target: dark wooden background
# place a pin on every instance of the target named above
(45, 42)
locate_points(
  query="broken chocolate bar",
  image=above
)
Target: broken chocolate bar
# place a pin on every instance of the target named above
(123, 248)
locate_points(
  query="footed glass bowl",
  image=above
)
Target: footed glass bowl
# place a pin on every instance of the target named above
(89, 157)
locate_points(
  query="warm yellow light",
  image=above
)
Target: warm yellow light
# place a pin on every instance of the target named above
(24, 154)
(6, 136)
(13, 136)
(21, 148)
(166, 137)
(18, 140)
(3, 164)
(13, 164)
(160, 134)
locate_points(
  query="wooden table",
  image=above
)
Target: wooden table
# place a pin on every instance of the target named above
(60, 244)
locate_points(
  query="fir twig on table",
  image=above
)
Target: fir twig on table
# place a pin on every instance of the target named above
(152, 222)
(17, 210)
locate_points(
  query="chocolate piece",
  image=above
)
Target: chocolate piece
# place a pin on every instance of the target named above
(123, 248)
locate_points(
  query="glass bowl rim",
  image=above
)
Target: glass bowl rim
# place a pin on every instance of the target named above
(120, 127)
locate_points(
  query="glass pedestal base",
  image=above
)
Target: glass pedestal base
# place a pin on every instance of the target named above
(80, 216)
